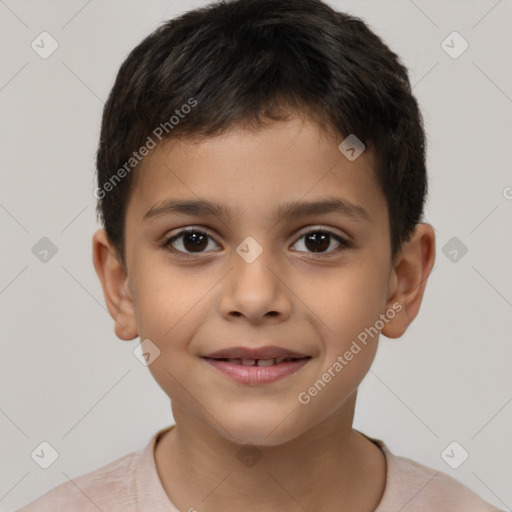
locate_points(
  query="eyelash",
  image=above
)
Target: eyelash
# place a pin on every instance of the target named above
(344, 243)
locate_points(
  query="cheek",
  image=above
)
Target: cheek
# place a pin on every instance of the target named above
(355, 298)
(160, 302)
(164, 295)
(352, 309)
(170, 311)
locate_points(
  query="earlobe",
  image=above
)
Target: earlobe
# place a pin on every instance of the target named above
(113, 280)
(408, 279)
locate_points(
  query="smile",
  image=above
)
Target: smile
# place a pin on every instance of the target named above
(257, 371)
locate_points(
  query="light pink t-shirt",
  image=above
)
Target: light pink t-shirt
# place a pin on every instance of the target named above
(132, 484)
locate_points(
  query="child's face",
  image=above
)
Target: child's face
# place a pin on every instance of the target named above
(313, 303)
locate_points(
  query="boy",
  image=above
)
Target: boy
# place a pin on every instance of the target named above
(261, 182)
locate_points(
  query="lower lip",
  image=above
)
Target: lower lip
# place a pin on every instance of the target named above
(257, 374)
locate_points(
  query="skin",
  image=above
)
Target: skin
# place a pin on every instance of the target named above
(290, 296)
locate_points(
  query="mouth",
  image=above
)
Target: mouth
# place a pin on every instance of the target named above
(259, 362)
(257, 366)
(263, 353)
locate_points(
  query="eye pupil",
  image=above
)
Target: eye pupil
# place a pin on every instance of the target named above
(319, 241)
(197, 240)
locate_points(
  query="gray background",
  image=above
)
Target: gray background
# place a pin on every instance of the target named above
(64, 376)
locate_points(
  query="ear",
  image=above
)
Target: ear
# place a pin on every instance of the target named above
(114, 282)
(408, 279)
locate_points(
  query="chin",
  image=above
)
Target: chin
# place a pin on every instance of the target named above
(260, 428)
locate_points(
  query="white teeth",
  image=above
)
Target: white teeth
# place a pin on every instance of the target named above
(257, 362)
(265, 362)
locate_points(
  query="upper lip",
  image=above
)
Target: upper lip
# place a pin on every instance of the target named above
(268, 352)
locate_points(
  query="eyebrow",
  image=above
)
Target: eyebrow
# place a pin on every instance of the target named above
(293, 209)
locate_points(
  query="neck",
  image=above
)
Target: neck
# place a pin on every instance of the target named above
(330, 467)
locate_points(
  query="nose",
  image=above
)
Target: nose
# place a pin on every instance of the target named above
(255, 289)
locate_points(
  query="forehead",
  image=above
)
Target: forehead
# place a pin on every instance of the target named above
(256, 171)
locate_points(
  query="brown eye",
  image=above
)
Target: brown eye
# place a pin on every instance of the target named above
(189, 241)
(319, 241)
